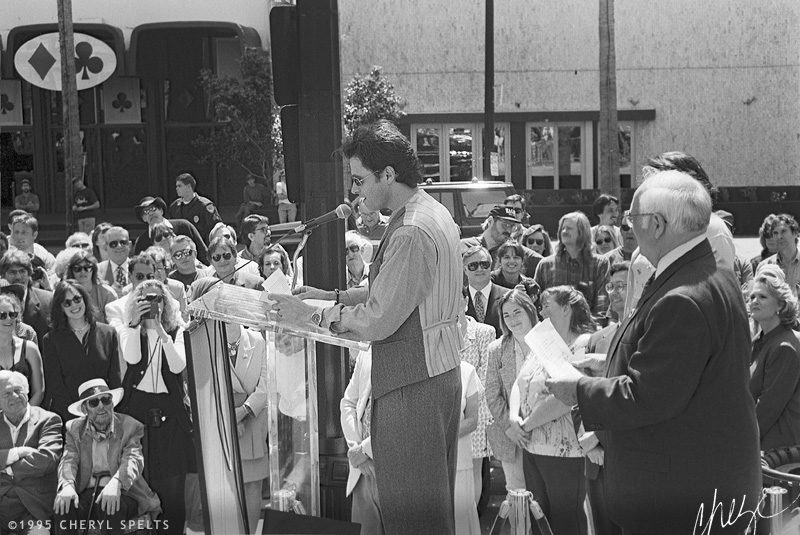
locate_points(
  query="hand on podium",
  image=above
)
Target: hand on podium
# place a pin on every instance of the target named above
(309, 292)
(291, 309)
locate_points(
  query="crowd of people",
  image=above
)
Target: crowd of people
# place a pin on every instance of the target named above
(687, 356)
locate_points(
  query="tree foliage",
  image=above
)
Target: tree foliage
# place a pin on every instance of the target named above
(368, 98)
(248, 135)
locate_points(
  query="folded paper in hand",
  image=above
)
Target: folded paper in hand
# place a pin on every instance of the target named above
(551, 350)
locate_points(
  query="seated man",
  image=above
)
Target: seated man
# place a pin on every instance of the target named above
(30, 446)
(100, 475)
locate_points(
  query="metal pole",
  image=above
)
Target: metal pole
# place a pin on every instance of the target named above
(488, 120)
(73, 153)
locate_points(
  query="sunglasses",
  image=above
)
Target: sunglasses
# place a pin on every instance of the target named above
(142, 276)
(118, 243)
(601, 241)
(219, 256)
(359, 181)
(82, 267)
(149, 210)
(483, 264)
(12, 314)
(537, 241)
(94, 402)
(82, 245)
(625, 227)
(180, 255)
(76, 300)
(352, 248)
(164, 237)
(516, 210)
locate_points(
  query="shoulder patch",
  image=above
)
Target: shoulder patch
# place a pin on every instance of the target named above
(196, 219)
(210, 208)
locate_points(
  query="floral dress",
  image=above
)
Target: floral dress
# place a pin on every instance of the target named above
(475, 352)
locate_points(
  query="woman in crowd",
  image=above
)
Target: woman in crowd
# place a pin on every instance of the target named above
(222, 254)
(152, 346)
(506, 357)
(769, 245)
(605, 239)
(272, 260)
(82, 268)
(553, 458)
(63, 258)
(466, 512)
(77, 348)
(247, 357)
(99, 245)
(19, 355)
(509, 274)
(22, 330)
(775, 368)
(536, 238)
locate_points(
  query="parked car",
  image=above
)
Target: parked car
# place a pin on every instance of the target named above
(469, 202)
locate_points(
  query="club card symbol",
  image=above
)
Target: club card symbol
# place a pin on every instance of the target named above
(122, 103)
(39, 61)
(5, 104)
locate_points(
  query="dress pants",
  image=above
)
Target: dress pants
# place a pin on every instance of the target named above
(559, 485)
(88, 509)
(367, 506)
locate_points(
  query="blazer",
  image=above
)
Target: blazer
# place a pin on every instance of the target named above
(181, 227)
(500, 376)
(492, 308)
(67, 364)
(34, 476)
(352, 407)
(674, 412)
(37, 311)
(125, 460)
(249, 383)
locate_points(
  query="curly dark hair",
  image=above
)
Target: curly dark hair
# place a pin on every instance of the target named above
(381, 144)
(58, 319)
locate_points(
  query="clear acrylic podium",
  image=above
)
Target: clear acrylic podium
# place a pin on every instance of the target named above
(292, 394)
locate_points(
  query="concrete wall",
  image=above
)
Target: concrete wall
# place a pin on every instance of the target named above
(697, 63)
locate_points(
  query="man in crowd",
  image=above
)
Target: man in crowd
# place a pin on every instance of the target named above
(255, 199)
(190, 206)
(674, 412)
(30, 447)
(84, 205)
(80, 240)
(100, 475)
(24, 231)
(517, 203)
(628, 244)
(785, 231)
(27, 200)
(484, 295)
(255, 236)
(502, 223)
(114, 271)
(151, 210)
(358, 251)
(574, 263)
(184, 258)
(370, 223)
(606, 209)
(410, 313)
(16, 268)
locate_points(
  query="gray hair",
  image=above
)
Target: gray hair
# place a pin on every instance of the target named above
(680, 199)
(364, 243)
(75, 236)
(7, 375)
(777, 288)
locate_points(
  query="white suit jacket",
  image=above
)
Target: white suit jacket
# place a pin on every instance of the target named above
(352, 407)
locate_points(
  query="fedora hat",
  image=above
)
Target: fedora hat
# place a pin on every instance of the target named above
(148, 201)
(91, 389)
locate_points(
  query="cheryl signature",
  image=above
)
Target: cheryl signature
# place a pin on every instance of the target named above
(724, 522)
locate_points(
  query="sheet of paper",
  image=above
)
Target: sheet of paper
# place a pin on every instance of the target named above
(552, 351)
(277, 283)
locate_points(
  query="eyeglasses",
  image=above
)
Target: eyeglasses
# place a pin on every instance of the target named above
(149, 210)
(118, 243)
(226, 236)
(265, 230)
(180, 255)
(143, 276)
(535, 241)
(164, 237)
(625, 227)
(616, 286)
(94, 402)
(352, 248)
(82, 267)
(601, 241)
(508, 226)
(516, 210)
(11, 314)
(359, 181)
(75, 300)
(483, 264)
(219, 256)
(630, 215)
(82, 245)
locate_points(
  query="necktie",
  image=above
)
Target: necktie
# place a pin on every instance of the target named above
(480, 307)
(122, 280)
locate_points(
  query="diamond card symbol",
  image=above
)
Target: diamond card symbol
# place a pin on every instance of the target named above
(42, 61)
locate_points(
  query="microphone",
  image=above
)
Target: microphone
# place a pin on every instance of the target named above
(341, 212)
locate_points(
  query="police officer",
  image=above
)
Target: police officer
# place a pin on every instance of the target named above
(198, 210)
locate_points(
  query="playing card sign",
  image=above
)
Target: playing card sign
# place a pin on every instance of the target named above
(39, 61)
(10, 102)
(122, 101)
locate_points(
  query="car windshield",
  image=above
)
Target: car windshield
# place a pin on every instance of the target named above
(478, 203)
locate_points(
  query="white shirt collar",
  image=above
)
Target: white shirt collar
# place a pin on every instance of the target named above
(114, 266)
(670, 258)
(15, 428)
(485, 291)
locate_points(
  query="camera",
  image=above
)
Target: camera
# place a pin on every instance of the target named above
(155, 417)
(154, 300)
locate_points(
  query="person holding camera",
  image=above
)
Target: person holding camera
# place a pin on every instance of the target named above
(152, 346)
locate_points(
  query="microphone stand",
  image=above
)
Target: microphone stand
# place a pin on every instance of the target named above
(297, 252)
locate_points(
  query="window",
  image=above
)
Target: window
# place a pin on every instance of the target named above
(559, 155)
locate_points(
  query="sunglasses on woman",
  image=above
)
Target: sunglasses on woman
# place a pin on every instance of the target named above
(82, 267)
(76, 300)
(11, 314)
(219, 256)
(535, 241)
(483, 264)
(94, 402)
(601, 241)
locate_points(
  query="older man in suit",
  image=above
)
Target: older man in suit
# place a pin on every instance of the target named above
(673, 411)
(484, 295)
(16, 268)
(114, 271)
(30, 446)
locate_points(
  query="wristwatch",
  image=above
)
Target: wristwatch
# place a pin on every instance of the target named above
(316, 317)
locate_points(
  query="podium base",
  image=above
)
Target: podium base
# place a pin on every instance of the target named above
(290, 523)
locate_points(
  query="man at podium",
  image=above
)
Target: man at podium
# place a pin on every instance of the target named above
(410, 314)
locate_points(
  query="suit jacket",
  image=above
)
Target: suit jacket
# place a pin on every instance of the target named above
(37, 311)
(674, 412)
(68, 363)
(492, 308)
(500, 376)
(106, 274)
(34, 476)
(125, 460)
(352, 407)
(181, 228)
